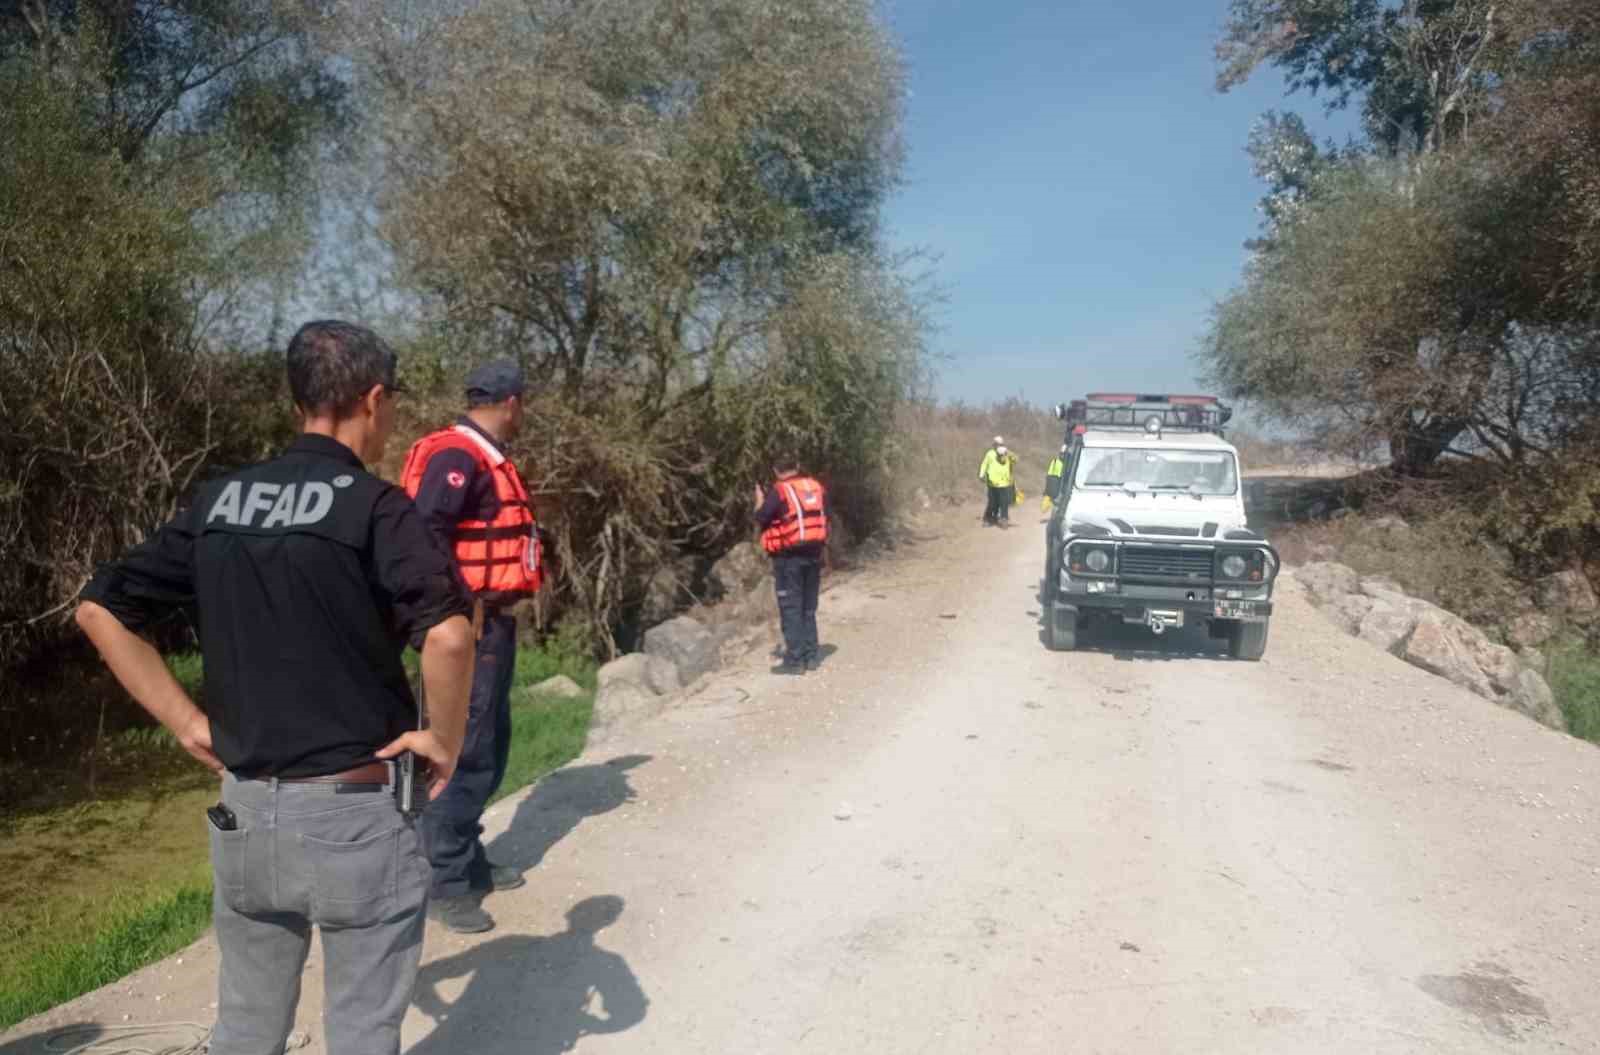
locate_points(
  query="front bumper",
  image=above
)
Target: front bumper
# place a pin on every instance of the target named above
(1136, 607)
(1198, 595)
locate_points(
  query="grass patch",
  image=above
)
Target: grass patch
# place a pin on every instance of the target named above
(189, 669)
(1575, 679)
(545, 734)
(132, 933)
(93, 889)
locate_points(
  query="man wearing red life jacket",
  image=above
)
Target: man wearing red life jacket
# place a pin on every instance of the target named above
(472, 498)
(793, 515)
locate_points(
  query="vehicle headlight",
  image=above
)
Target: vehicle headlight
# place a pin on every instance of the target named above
(1098, 561)
(1234, 566)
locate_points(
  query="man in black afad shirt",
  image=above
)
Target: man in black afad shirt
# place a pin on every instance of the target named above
(309, 575)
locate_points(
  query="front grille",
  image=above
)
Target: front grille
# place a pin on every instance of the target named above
(1165, 562)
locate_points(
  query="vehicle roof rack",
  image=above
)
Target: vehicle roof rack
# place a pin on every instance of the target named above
(1151, 414)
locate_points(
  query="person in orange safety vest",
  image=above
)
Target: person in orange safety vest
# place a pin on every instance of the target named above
(473, 499)
(793, 515)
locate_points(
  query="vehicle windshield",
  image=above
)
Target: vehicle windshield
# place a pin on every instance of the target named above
(1145, 469)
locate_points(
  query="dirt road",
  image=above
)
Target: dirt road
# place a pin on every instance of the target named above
(952, 840)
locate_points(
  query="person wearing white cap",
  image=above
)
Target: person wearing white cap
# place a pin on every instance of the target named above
(995, 473)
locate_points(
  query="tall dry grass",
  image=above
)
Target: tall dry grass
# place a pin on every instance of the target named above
(940, 448)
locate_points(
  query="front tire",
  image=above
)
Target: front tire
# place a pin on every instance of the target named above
(1063, 629)
(1247, 641)
(1052, 568)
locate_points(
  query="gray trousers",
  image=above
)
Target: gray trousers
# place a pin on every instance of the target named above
(347, 861)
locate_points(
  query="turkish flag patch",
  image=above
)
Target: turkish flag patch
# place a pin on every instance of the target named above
(456, 478)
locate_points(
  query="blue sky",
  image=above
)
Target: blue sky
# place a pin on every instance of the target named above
(1082, 185)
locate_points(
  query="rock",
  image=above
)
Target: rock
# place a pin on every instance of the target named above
(1374, 585)
(1530, 628)
(1436, 646)
(1390, 525)
(1322, 551)
(1567, 592)
(650, 672)
(1325, 580)
(1532, 696)
(1387, 626)
(560, 686)
(1348, 610)
(1497, 662)
(685, 644)
(742, 568)
(1384, 591)
(1534, 660)
(620, 704)
(667, 593)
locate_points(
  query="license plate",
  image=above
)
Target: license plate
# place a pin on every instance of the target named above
(1249, 611)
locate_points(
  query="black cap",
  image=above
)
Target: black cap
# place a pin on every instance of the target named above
(496, 381)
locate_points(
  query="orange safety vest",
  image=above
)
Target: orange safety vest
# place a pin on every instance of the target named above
(803, 520)
(499, 556)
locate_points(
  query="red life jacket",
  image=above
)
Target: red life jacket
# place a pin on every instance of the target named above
(500, 556)
(804, 519)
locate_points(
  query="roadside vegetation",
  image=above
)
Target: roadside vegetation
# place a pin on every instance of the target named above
(1427, 295)
(668, 210)
(92, 888)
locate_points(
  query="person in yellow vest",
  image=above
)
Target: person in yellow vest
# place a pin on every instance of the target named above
(473, 499)
(1052, 479)
(793, 515)
(995, 472)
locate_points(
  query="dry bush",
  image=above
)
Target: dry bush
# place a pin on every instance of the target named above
(939, 448)
(1474, 539)
(1441, 559)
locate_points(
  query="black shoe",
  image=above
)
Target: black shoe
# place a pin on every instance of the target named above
(789, 668)
(813, 662)
(504, 877)
(461, 914)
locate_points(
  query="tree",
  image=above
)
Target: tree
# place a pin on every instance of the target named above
(1421, 69)
(669, 211)
(1285, 157)
(1428, 289)
(153, 172)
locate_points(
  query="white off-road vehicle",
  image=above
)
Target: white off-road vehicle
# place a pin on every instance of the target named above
(1150, 528)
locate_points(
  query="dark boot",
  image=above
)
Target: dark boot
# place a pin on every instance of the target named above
(460, 914)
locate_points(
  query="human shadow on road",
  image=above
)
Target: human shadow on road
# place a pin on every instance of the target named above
(558, 804)
(78, 1033)
(532, 995)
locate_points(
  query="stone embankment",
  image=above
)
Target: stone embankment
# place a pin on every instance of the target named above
(1376, 610)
